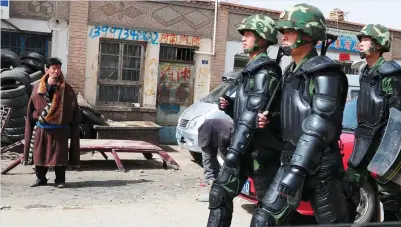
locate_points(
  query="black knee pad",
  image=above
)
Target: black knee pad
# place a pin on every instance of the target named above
(218, 196)
(262, 218)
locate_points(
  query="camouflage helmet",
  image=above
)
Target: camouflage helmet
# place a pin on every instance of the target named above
(379, 33)
(305, 18)
(262, 25)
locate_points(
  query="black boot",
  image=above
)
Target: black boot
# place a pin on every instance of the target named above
(40, 176)
(60, 176)
(39, 182)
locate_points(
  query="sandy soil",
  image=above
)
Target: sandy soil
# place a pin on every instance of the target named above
(98, 195)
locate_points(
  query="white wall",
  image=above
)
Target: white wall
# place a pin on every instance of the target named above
(59, 44)
(232, 48)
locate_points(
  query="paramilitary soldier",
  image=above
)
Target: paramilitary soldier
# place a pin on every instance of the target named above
(380, 90)
(312, 104)
(252, 151)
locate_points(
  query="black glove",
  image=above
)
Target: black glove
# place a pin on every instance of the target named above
(291, 182)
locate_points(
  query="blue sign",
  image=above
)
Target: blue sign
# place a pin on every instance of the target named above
(345, 43)
(205, 62)
(4, 2)
(4, 9)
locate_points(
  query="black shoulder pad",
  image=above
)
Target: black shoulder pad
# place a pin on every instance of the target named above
(319, 63)
(389, 67)
(261, 63)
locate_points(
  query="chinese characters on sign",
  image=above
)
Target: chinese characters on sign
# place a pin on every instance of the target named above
(180, 39)
(346, 41)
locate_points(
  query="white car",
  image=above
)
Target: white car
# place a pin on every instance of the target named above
(194, 116)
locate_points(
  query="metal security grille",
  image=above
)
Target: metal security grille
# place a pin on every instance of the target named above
(26, 42)
(170, 53)
(120, 70)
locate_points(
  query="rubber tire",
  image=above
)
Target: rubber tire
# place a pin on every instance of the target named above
(16, 102)
(10, 57)
(14, 131)
(12, 91)
(35, 76)
(25, 68)
(10, 139)
(15, 75)
(15, 122)
(85, 131)
(368, 193)
(92, 118)
(18, 112)
(34, 64)
(33, 55)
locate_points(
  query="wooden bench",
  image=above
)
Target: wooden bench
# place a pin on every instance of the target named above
(114, 146)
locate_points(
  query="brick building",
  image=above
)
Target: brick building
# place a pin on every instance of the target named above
(147, 60)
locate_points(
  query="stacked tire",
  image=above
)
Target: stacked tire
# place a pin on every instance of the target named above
(17, 78)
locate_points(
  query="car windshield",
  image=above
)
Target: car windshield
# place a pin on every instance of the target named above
(349, 115)
(213, 96)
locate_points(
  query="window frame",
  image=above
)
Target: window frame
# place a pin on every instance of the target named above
(24, 36)
(175, 60)
(119, 81)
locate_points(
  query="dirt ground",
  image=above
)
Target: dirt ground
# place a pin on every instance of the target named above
(98, 195)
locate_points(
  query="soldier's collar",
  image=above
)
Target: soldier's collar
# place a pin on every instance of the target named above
(311, 54)
(378, 63)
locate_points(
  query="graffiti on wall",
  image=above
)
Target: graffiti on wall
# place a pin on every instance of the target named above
(174, 83)
(180, 39)
(124, 34)
(150, 78)
(203, 74)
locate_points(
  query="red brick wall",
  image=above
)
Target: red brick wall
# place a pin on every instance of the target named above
(218, 60)
(77, 35)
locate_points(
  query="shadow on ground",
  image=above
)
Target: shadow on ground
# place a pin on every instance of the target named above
(106, 183)
(168, 148)
(129, 164)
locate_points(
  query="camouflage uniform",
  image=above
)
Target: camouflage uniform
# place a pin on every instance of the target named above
(313, 98)
(252, 152)
(380, 89)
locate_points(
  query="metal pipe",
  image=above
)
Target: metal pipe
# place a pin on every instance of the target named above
(216, 3)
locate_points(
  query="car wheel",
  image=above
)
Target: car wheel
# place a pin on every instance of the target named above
(196, 156)
(366, 203)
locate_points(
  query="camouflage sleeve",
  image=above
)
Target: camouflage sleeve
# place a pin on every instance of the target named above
(394, 91)
(387, 85)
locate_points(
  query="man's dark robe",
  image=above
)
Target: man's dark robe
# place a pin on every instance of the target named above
(51, 145)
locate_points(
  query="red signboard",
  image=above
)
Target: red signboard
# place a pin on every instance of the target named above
(344, 57)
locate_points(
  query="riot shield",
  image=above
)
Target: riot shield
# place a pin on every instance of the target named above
(386, 163)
